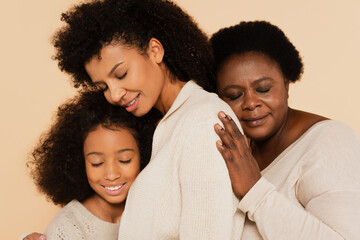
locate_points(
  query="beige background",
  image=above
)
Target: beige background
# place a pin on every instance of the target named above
(326, 32)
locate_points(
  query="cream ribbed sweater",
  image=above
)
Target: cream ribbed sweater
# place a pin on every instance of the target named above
(310, 191)
(74, 221)
(185, 191)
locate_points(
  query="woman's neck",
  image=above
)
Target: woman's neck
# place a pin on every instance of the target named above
(169, 92)
(295, 125)
(267, 150)
(105, 211)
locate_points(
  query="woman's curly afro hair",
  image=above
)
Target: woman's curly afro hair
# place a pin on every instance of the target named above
(92, 25)
(258, 36)
(58, 165)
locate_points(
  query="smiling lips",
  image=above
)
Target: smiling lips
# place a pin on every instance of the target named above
(254, 122)
(132, 105)
(115, 190)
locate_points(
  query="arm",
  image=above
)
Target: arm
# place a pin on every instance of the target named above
(276, 217)
(328, 210)
(208, 203)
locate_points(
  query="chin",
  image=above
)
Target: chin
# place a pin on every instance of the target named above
(140, 112)
(137, 113)
(256, 136)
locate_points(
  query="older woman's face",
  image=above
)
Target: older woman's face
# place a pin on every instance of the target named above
(255, 88)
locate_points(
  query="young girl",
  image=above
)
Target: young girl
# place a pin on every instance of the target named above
(87, 161)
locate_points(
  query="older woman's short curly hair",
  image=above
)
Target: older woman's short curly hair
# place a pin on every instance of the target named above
(95, 24)
(58, 165)
(258, 36)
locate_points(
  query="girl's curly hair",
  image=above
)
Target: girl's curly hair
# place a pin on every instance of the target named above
(95, 24)
(57, 164)
(258, 36)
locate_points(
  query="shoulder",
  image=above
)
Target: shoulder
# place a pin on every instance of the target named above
(331, 156)
(330, 139)
(196, 105)
(65, 223)
(331, 132)
(204, 107)
(329, 160)
(318, 130)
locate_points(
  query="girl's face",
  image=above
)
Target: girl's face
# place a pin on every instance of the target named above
(112, 162)
(255, 88)
(128, 78)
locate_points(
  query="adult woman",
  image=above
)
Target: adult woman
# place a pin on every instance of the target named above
(299, 178)
(143, 54)
(87, 162)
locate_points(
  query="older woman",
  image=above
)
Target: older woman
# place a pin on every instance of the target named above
(298, 178)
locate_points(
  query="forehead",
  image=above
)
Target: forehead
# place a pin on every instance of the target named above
(109, 56)
(112, 137)
(248, 60)
(109, 53)
(247, 66)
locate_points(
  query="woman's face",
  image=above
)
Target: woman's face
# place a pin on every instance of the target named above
(129, 79)
(112, 162)
(255, 88)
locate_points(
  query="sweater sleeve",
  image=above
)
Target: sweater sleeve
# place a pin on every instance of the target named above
(65, 224)
(328, 191)
(62, 228)
(208, 203)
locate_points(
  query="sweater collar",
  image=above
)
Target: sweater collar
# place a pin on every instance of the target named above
(184, 94)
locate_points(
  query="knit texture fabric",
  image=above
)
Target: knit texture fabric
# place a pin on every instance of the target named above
(185, 191)
(311, 190)
(74, 221)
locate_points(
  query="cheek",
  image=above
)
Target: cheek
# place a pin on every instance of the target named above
(278, 108)
(282, 103)
(133, 171)
(276, 101)
(236, 107)
(91, 176)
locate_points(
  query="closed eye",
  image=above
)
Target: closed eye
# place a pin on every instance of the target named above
(125, 161)
(234, 97)
(122, 76)
(262, 90)
(96, 164)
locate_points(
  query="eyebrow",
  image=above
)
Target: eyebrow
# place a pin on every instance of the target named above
(262, 79)
(117, 152)
(113, 69)
(255, 82)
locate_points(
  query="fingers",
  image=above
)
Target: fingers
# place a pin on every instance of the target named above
(234, 148)
(35, 236)
(230, 125)
(246, 141)
(225, 137)
(224, 151)
(231, 136)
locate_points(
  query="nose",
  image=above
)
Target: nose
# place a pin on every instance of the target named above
(112, 171)
(250, 102)
(116, 92)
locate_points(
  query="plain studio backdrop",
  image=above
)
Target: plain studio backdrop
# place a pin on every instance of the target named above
(326, 32)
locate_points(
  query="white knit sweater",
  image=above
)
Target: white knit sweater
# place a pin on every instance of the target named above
(185, 191)
(74, 221)
(310, 191)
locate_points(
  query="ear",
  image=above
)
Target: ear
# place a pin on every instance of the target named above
(156, 50)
